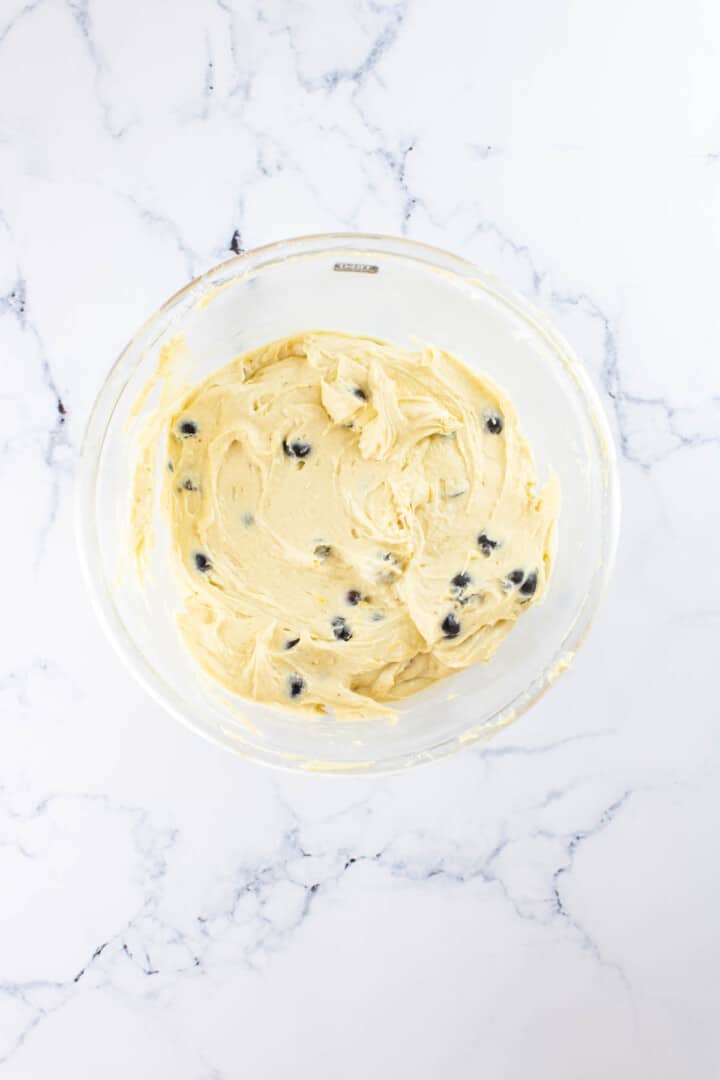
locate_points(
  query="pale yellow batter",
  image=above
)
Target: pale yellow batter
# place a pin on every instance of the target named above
(353, 521)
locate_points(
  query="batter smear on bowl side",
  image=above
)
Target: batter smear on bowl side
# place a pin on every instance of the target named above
(352, 521)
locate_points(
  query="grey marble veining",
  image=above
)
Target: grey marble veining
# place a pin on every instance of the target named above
(545, 905)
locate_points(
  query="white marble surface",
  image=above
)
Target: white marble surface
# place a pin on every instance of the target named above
(546, 907)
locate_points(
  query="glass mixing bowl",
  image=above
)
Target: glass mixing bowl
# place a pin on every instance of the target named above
(406, 293)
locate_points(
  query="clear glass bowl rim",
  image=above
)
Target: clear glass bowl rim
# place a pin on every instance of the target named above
(101, 415)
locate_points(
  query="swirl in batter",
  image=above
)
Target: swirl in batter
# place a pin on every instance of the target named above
(352, 521)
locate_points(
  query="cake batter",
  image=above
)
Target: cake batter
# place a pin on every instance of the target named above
(352, 521)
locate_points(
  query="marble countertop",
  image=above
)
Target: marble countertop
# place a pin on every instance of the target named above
(546, 906)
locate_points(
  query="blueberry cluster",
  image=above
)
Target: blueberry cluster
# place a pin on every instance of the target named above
(486, 545)
(527, 582)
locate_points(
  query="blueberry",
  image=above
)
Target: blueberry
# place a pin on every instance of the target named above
(202, 562)
(296, 685)
(296, 449)
(392, 573)
(353, 596)
(515, 577)
(450, 626)
(529, 586)
(461, 581)
(340, 628)
(188, 428)
(360, 393)
(292, 642)
(248, 520)
(321, 551)
(487, 546)
(493, 424)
